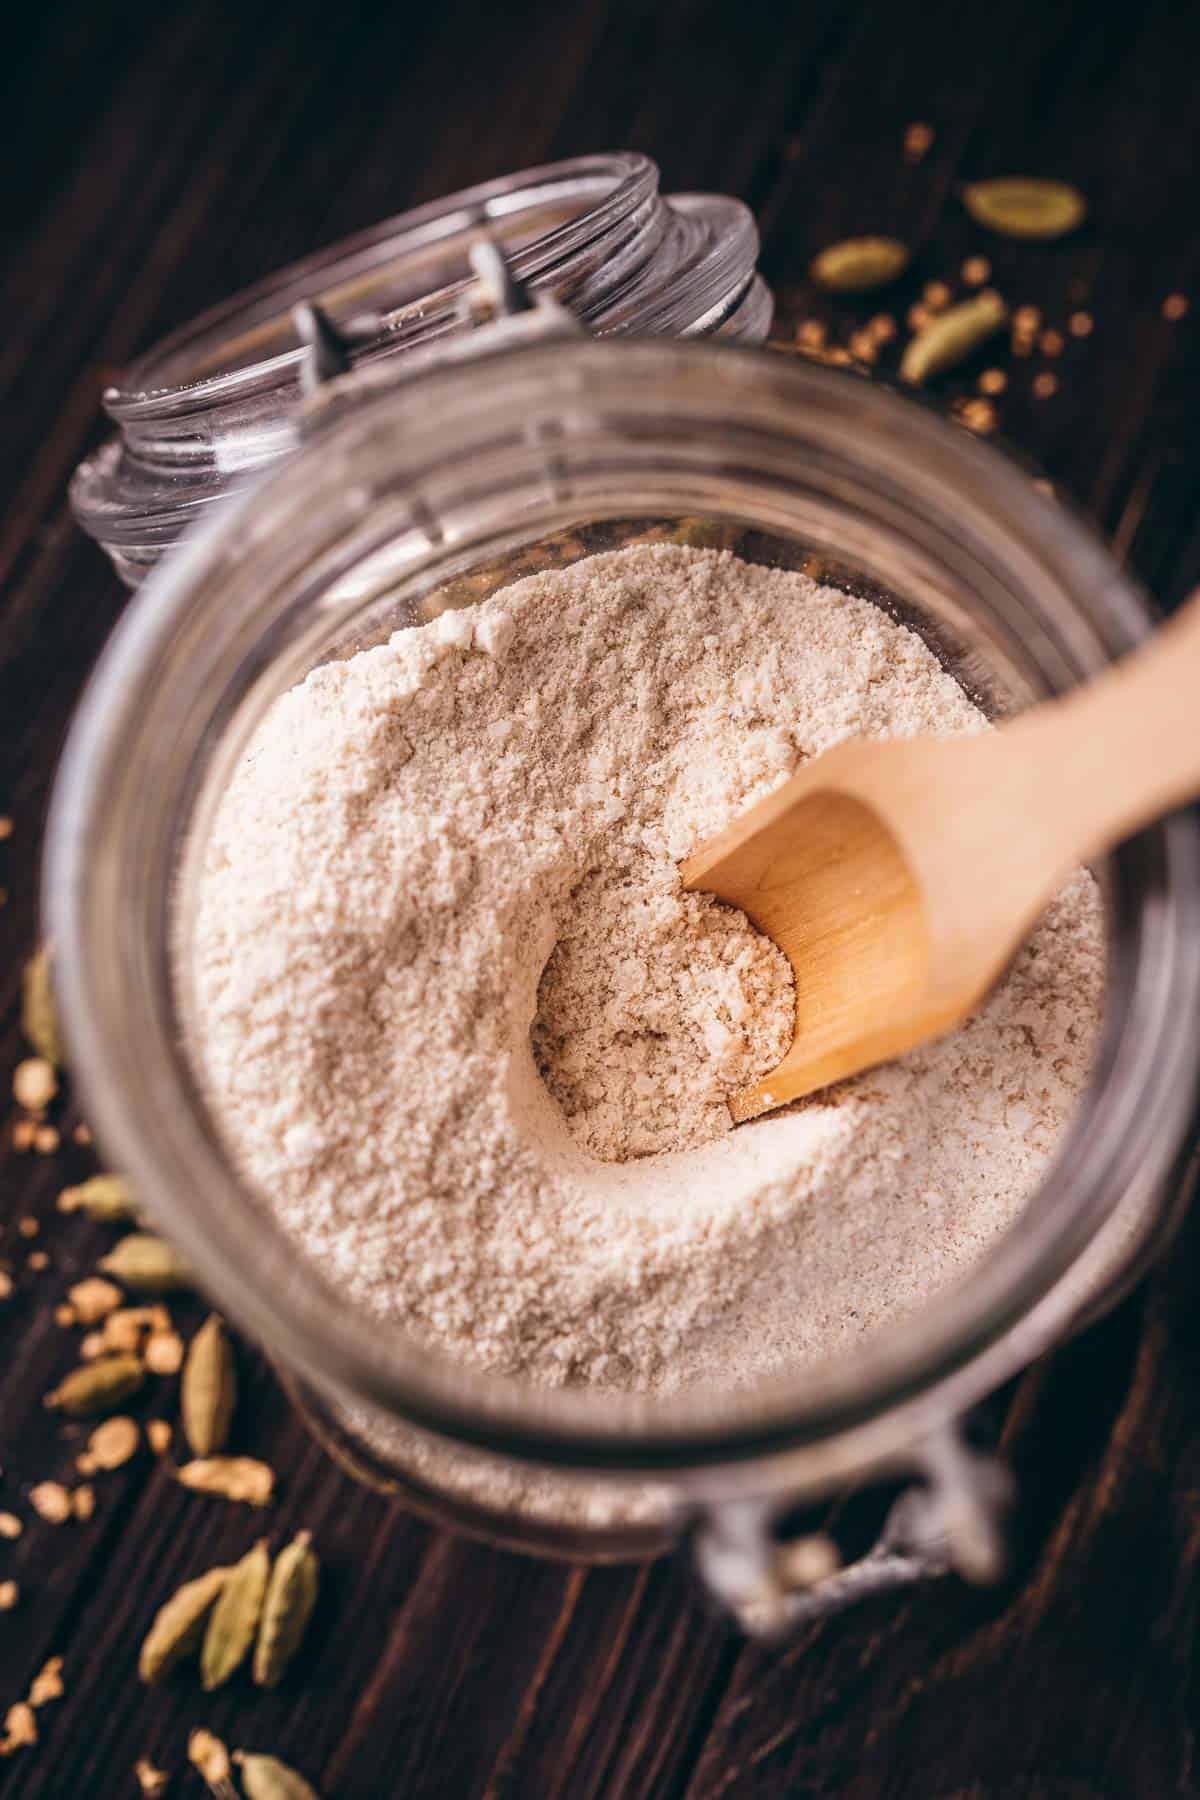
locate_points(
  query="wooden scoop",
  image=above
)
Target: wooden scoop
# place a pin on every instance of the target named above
(898, 878)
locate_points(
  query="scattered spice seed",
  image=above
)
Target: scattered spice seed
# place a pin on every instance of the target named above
(83, 1135)
(126, 1328)
(811, 334)
(147, 1264)
(863, 347)
(93, 1345)
(151, 1780)
(266, 1778)
(113, 1443)
(1026, 320)
(10, 1525)
(64, 1315)
(51, 1501)
(39, 1015)
(1051, 343)
(882, 328)
(1175, 306)
(6, 826)
(97, 1387)
(83, 1502)
(163, 1354)
(208, 1391)
(46, 1140)
(208, 1754)
(23, 1134)
(6, 1285)
(47, 1683)
(918, 138)
(807, 1560)
(85, 1463)
(20, 1728)
(1021, 345)
(952, 337)
(34, 1084)
(1045, 384)
(234, 1477)
(38, 1260)
(93, 1299)
(859, 265)
(158, 1435)
(918, 316)
(105, 1198)
(233, 1623)
(28, 1227)
(10, 1594)
(705, 534)
(1024, 207)
(287, 1608)
(1080, 324)
(936, 295)
(179, 1625)
(976, 270)
(978, 415)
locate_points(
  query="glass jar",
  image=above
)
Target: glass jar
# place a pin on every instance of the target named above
(411, 495)
(216, 400)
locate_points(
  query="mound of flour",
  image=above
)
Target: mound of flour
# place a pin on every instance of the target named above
(472, 1043)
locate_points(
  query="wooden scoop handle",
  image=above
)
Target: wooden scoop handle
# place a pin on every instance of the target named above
(1123, 750)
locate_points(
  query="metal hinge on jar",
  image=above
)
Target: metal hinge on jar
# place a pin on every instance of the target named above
(951, 1518)
(503, 312)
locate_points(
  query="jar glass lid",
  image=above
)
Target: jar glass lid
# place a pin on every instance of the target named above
(216, 399)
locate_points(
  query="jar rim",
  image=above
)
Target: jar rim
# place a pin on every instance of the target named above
(604, 187)
(1128, 1128)
(214, 402)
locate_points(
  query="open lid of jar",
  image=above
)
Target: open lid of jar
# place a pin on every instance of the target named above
(216, 399)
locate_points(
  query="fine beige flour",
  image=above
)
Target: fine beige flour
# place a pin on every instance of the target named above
(548, 1186)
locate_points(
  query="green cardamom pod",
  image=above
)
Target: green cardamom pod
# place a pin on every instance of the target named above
(266, 1778)
(147, 1264)
(950, 338)
(291, 1596)
(857, 265)
(97, 1387)
(208, 1390)
(104, 1197)
(179, 1625)
(1024, 207)
(706, 534)
(234, 1618)
(39, 1015)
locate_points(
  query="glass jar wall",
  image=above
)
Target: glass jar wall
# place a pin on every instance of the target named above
(411, 496)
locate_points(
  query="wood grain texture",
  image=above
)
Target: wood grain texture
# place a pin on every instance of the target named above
(157, 159)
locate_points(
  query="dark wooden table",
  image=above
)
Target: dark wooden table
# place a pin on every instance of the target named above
(158, 159)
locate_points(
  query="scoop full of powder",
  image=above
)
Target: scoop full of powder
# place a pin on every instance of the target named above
(654, 1007)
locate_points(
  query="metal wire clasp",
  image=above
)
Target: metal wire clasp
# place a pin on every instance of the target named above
(501, 311)
(952, 1518)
